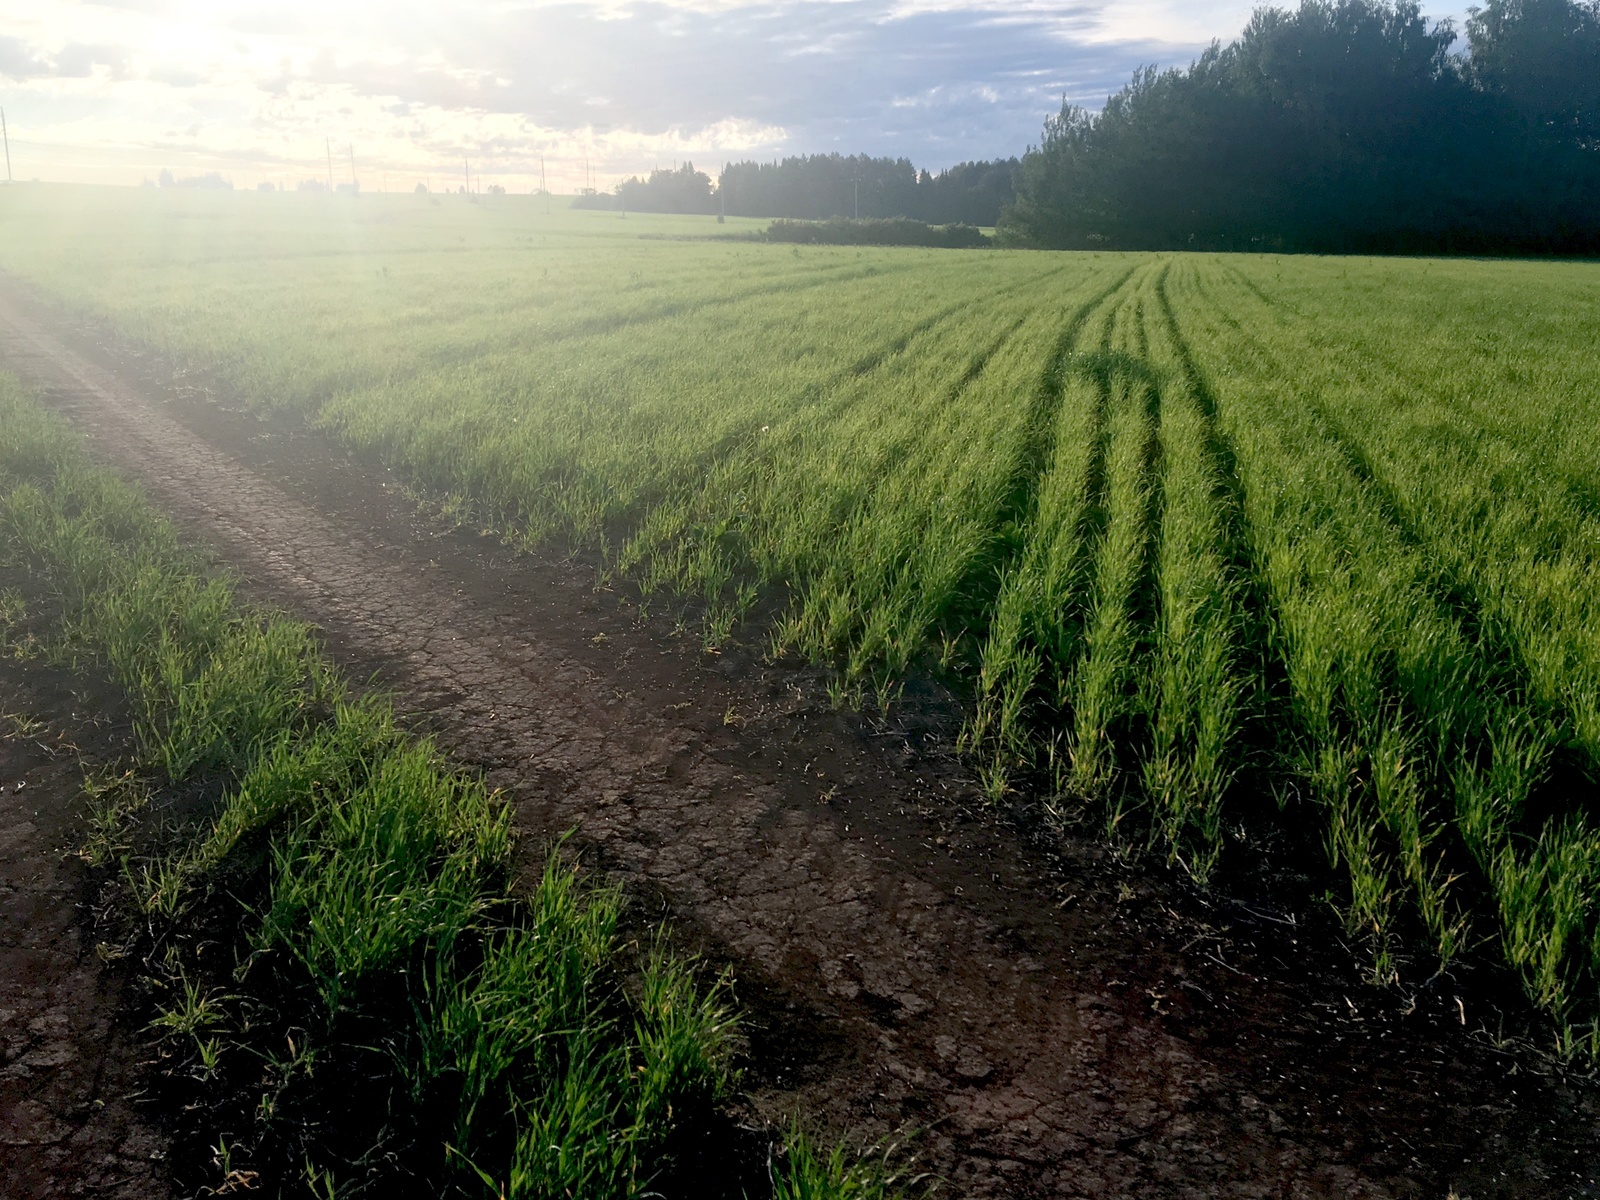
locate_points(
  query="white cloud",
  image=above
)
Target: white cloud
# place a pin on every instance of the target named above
(117, 89)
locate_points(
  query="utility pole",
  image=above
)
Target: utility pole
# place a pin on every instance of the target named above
(468, 169)
(355, 185)
(857, 182)
(543, 187)
(6, 134)
(327, 145)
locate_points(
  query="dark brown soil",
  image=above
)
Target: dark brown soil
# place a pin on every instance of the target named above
(1056, 1023)
(70, 1069)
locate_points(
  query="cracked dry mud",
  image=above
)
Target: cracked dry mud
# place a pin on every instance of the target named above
(70, 1124)
(1055, 1025)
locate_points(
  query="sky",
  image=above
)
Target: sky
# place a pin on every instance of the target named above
(401, 92)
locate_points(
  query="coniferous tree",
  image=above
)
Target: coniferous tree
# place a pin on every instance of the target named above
(1344, 125)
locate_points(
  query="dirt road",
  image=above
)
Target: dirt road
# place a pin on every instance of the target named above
(1057, 1025)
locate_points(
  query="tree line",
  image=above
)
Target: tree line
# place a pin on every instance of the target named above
(818, 187)
(1346, 125)
(1343, 125)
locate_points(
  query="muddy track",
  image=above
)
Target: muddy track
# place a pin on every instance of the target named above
(1057, 1025)
(71, 1120)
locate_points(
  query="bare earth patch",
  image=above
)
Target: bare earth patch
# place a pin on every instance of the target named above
(70, 1068)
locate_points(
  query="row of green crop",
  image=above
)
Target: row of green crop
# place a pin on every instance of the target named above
(1432, 648)
(1466, 463)
(724, 413)
(878, 543)
(1323, 525)
(346, 990)
(867, 442)
(1112, 651)
(1438, 691)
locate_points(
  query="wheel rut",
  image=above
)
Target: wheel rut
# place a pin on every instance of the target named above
(1055, 1025)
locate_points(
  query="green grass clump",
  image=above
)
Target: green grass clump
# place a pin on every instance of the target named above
(209, 683)
(348, 995)
(1190, 531)
(813, 1172)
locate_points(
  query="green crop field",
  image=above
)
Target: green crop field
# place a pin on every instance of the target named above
(1207, 542)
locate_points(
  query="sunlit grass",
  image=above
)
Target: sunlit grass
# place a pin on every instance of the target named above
(1326, 529)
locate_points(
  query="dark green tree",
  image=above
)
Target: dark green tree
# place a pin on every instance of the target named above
(1343, 125)
(1543, 58)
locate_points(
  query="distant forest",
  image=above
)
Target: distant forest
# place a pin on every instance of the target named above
(1343, 126)
(1346, 125)
(818, 186)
